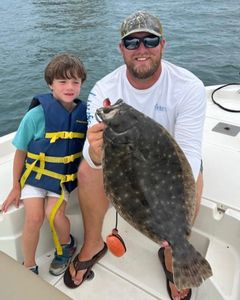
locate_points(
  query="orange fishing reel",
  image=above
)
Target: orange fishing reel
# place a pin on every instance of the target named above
(115, 243)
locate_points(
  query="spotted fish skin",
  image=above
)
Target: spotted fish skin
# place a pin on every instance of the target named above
(150, 183)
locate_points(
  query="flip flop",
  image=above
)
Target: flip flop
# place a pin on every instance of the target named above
(82, 265)
(169, 275)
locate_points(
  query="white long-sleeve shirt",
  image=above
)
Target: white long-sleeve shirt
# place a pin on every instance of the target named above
(177, 101)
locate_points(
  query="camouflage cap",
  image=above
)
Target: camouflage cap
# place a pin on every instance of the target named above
(141, 22)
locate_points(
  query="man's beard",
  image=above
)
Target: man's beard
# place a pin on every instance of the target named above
(143, 72)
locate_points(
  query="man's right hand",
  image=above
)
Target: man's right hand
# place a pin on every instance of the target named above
(95, 139)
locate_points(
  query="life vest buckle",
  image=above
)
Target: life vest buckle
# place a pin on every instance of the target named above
(67, 135)
(69, 177)
(68, 159)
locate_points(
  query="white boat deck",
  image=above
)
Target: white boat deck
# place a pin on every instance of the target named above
(138, 274)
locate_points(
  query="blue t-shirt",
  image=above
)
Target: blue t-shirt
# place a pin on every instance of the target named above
(32, 127)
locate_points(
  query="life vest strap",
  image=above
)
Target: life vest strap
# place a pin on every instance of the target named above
(27, 173)
(51, 221)
(42, 164)
(54, 159)
(62, 177)
(63, 135)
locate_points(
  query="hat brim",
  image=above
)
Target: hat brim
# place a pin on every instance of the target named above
(142, 30)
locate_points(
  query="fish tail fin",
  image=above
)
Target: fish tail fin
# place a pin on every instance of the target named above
(190, 268)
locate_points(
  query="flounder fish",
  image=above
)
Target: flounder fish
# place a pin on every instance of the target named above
(150, 183)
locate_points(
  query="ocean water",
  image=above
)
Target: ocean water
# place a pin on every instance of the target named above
(202, 36)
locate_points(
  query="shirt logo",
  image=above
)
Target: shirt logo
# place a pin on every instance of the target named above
(158, 107)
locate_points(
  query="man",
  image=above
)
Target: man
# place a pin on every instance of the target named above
(171, 96)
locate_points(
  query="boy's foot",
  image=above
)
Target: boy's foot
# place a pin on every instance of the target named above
(60, 262)
(34, 269)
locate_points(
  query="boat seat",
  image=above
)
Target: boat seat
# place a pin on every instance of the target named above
(25, 284)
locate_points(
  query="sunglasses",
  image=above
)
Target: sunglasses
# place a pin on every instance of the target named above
(150, 41)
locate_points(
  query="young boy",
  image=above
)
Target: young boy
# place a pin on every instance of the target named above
(49, 142)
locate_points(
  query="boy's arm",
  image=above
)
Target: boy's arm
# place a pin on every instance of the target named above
(15, 193)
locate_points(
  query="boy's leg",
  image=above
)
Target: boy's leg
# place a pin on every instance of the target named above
(34, 217)
(94, 205)
(61, 221)
(62, 225)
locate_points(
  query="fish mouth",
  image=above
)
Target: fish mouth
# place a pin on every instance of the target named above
(103, 114)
